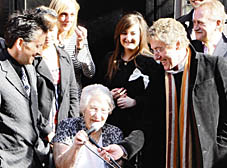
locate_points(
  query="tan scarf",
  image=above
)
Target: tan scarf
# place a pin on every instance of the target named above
(178, 137)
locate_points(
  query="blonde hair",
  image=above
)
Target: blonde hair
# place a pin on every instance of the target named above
(60, 5)
(169, 31)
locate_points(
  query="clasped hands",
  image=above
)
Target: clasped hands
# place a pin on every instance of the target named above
(123, 101)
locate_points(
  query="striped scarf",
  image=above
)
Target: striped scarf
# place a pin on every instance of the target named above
(178, 137)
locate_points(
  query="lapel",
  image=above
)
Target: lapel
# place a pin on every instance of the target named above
(221, 49)
(43, 70)
(33, 96)
(193, 68)
(31, 76)
(189, 19)
(65, 68)
(12, 77)
(198, 45)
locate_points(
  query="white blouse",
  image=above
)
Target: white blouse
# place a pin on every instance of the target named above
(87, 158)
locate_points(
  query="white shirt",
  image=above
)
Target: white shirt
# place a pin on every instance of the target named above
(87, 159)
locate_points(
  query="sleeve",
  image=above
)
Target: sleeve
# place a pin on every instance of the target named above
(44, 125)
(222, 69)
(85, 58)
(74, 92)
(133, 143)
(64, 133)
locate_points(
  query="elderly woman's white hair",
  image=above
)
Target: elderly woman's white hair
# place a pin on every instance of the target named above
(94, 90)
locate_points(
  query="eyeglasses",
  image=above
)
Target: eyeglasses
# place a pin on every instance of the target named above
(157, 50)
(94, 110)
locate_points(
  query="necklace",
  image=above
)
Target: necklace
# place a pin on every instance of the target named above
(127, 61)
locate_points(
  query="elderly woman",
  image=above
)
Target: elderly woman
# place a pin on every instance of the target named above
(69, 150)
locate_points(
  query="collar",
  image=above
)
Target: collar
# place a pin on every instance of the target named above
(14, 63)
(181, 65)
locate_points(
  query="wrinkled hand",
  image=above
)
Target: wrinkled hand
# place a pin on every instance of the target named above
(81, 33)
(112, 150)
(80, 139)
(125, 102)
(118, 92)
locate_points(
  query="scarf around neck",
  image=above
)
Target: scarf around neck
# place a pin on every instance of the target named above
(178, 134)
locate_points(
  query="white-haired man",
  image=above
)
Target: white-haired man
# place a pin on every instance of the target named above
(209, 20)
(194, 119)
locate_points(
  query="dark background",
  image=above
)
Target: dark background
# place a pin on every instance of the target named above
(99, 17)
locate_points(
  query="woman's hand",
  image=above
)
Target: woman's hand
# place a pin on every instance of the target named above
(80, 139)
(118, 92)
(81, 33)
(125, 102)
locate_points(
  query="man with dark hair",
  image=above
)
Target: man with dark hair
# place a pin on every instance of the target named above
(20, 121)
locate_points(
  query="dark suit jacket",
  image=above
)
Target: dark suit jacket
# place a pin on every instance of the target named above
(20, 120)
(187, 22)
(133, 143)
(208, 98)
(68, 103)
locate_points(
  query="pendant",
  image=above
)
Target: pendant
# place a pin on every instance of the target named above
(125, 63)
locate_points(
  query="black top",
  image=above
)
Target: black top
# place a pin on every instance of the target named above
(14, 63)
(136, 117)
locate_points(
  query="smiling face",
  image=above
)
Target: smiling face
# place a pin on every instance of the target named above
(28, 50)
(130, 38)
(67, 18)
(204, 26)
(197, 3)
(97, 111)
(167, 55)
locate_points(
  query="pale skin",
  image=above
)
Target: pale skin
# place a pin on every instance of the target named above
(169, 56)
(197, 3)
(207, 29)
(112, 150)
(65, 156)
(66, 19)
(96, 112)
(24, 52)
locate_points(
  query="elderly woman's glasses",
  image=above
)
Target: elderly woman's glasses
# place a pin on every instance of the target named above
(94, 110)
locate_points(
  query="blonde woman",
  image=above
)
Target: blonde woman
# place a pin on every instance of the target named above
(73, 39)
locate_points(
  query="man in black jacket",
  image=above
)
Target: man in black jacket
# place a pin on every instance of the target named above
(187, 19)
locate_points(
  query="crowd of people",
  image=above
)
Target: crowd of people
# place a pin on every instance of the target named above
(159, 101)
